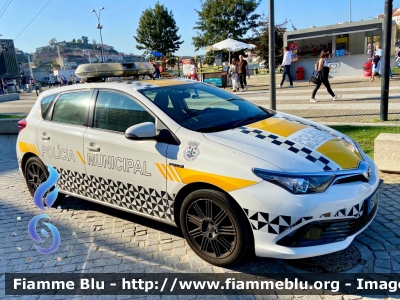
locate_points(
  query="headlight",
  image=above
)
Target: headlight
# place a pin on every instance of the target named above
(297, 183)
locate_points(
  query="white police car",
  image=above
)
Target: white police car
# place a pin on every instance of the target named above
(236, 178)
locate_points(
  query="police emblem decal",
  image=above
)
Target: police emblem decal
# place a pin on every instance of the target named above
(192, 151)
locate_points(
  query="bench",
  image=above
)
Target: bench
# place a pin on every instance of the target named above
(387, 152)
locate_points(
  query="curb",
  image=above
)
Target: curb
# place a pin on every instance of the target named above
(9, 126)
(359, 124)
(9, 97)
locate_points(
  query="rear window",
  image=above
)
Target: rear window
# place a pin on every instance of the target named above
(71, 108)
(46, 101)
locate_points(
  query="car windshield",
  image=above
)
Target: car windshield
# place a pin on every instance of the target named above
(204, 108)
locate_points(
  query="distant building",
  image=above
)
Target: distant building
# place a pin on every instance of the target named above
(8, 60)
(395, 15)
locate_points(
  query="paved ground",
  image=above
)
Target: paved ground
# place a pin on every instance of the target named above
(100, 239)
(360, 101)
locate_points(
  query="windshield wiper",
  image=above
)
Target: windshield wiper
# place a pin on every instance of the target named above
(213, 128)
(251, 118)
(208, 105)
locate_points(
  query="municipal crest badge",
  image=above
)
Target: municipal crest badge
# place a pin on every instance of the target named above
(192, 151)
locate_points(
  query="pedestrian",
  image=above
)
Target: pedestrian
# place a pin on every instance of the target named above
(193, 76)
(243, 69)
(323, 68)
(2, 91)
(233, 68)
(286, 65)
(156, 73)
(376, 63)
(64, 80)
(32, 82)
(73, 79)
(398, 58)
(23, 83)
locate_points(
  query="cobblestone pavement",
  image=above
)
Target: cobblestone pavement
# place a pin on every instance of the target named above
(100, 239)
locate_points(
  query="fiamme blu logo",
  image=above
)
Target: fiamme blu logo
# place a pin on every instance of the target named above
(39, 200)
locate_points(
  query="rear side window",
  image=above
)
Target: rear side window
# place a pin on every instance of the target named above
(118, 112)
(71, 108)
(46, 101)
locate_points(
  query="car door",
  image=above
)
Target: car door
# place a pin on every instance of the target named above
(60, 138)
(124, 172)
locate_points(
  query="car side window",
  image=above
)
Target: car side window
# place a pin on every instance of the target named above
(118, 112)
(70, 108)
(45, 104)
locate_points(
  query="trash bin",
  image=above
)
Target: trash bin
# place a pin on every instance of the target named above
(300, 73)
(11, 88)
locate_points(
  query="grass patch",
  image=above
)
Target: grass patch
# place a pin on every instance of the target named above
(365, 135)
(3, 116)
(396, 70)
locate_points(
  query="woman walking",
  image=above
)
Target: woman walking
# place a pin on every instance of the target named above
(323, 68)
(234, 75)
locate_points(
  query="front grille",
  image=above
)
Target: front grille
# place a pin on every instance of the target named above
(353, 178)
(330, 231)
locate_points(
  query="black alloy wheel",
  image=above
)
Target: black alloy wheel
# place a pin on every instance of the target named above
(35, 174)
(215, 227)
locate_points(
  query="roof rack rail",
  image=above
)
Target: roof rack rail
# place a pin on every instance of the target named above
(101, 71)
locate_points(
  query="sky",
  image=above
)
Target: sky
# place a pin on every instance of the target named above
(68, 19)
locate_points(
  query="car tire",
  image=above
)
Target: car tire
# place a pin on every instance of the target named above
(216, 228)
(36, 173)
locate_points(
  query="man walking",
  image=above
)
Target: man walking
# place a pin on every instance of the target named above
(243, 69)
(23, 83)
(286, 64)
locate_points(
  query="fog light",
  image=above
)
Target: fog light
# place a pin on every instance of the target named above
(313, 234)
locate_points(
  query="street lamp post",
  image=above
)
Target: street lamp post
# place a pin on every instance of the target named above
(99, 26)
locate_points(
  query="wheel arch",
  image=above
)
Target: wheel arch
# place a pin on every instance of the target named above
(187, 189)
(25, 158)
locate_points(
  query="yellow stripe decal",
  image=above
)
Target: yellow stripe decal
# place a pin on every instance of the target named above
(278, 126)
(81, 157)
(340, 153)
(223, 182)
(161, 170)
(166, 171)
(23, 147)
(170, 168)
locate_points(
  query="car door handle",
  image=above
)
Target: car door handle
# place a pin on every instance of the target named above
(93, 148)
(45, 137)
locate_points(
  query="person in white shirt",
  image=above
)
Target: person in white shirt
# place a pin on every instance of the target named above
(286, 64)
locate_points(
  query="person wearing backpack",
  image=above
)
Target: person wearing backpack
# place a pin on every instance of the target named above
(323, 68)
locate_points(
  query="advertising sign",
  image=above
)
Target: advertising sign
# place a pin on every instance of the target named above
(186, 66)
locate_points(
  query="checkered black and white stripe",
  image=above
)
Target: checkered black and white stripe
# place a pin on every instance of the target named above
(158, 204)
(315, 157)
(277, 224)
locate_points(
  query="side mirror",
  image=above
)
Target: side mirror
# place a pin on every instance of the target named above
(142, 131)
(147, 131)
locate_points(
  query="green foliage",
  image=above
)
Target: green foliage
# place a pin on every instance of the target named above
(222, 19)
(260, 38)
(85, 40)
(397, 32)
(157, 31)
(79, 41)
(73, 41)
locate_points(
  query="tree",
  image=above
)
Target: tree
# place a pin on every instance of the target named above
(157, 31)
(52, 43)
(85, 40)
(260, 38)
(79, 41)
(397, 32)
(222, 19)
(73, 40)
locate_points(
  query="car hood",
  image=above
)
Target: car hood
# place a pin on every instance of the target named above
(292, 144)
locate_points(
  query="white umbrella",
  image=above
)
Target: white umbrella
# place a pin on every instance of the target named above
(231, 45)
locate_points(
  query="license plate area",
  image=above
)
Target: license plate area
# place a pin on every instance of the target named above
(373, 200)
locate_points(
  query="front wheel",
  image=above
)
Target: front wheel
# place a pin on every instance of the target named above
(215, 228)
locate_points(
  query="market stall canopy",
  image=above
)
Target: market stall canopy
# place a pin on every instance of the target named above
(231, 45)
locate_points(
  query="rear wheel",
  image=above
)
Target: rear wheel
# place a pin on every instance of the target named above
(35, 174)
(215, 227)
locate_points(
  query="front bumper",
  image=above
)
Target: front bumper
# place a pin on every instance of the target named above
(280, 220)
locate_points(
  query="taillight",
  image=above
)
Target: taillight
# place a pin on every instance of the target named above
(22, 124)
